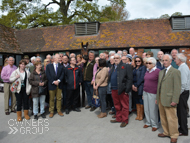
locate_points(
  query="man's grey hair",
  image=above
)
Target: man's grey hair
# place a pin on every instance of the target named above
(48, 55)
(38, 58)
(91, 51)
(103, 54)
(174, 50)
(11, 57)
(72, 53)
(182, 57)
(151, 59)
(125, 51)
(33, 58)
(111, 52)
(118, 55)
(132, 48)
(112, 57)
(170, 57)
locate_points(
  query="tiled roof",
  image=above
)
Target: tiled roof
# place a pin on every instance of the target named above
(134, 33)
(8, 41)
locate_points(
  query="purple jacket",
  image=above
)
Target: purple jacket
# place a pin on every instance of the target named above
(6, 72)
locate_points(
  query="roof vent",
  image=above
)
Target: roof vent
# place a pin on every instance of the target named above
(181, 23)
(87, 28)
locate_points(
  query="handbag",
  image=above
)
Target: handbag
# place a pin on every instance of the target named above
(14, 86)
(95, 99)
(42, 89)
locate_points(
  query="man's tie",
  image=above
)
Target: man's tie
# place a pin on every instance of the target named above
(56, 69)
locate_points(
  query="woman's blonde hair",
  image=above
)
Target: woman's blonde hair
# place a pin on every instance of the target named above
(6, 62)
(45, 62)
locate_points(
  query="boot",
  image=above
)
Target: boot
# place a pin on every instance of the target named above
(26, 115)
(19, 116)
(102, 115)
(138, 111)
(141, 116)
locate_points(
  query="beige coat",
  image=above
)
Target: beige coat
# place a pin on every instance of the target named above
(171, 87)
(101, 77)
(13, 78)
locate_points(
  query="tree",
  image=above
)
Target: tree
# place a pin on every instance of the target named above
(164, 16)
(29, 14)
(115, 12)
(177, 14)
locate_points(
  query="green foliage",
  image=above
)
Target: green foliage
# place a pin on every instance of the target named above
(22, 14)
(164, 16)
(177, 14)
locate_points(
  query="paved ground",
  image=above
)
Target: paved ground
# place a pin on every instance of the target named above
(82, 127)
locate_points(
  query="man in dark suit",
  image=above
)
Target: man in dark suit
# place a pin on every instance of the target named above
(168, 93)
(159, 63)
(55, 75)
(121, 77)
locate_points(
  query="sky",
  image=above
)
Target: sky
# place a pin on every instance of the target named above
(147, 8)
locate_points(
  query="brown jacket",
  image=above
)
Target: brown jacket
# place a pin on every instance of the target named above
(101, 77)
(34, 80)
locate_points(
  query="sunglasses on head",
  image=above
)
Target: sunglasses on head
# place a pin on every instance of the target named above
(137, 61)
(148, 63)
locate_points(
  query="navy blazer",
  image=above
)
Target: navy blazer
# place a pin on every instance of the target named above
(159, 65)
(140, 73)
(51, 76)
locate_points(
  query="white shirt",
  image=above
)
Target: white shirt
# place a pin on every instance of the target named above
(167, 69)
(153, 69)
(54, 64)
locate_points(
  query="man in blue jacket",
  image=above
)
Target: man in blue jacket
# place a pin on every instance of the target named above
(55, 75)
(73, 78)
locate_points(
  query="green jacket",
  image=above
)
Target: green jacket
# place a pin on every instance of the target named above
(170, 88)
(88, 70)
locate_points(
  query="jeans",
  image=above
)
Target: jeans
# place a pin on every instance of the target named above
(89, 92)
(42, 104)
(102, 94)
(22, 99)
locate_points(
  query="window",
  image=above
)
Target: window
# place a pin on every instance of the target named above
(181, 23)
(82, 29)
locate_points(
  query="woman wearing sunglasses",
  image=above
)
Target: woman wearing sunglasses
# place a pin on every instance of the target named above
(137, 87)
(149, 94)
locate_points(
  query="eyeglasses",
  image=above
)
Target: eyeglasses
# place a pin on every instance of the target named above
(116, 58)
(148, 63)
(137, 61)
(47, 61)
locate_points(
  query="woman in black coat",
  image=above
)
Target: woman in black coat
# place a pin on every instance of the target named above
(137, 88)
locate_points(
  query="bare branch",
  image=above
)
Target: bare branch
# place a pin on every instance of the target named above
(53, 2)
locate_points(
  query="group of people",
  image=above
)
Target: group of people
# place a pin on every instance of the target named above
(158, 89)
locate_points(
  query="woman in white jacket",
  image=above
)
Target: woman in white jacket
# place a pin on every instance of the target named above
(23, 90)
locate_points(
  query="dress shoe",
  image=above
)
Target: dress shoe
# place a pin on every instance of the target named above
(114, 121)
(51, 115)
(14, 111)
(111, 112)
(114, 116)
(87, 107)
(7, 113)
(154, 129)
(173, 140)
(60, 114)
(92, 109)
(102, 115)
(123, 124)
(67, 111)
(180, 134)
(77, 110)
(36, 117)
(146, 126)
(162, 135)
(43, 115)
